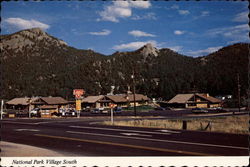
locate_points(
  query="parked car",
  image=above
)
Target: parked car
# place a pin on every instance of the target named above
(117, 110)
(35, 112)
(95, 111)
(160, 108)
(199, 110)
(105, 110)
(220, 109)
(56, 114)
(22, 113)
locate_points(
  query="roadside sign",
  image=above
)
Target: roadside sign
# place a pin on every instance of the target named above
(111, 105)
(78, 93)
(78, 105)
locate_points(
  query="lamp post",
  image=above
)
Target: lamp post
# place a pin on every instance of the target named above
(1, 109)
(133, 77)
(238, 79)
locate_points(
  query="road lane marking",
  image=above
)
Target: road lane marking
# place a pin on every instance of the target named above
(159, 140)
(18, 123)
(125, 145)
(135, 134)
(32, 130)
(169, 131)
(93, 123)
(123, 130)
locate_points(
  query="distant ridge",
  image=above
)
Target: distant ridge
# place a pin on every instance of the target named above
(35, 63)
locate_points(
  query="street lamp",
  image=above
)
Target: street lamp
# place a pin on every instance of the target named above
(133, 78)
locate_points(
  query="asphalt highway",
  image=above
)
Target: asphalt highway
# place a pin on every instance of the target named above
(83, 137)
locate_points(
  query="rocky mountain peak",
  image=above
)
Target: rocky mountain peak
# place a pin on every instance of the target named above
(149, 49)
(35, 31)
(29, 38)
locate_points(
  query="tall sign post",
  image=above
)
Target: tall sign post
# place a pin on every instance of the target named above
(112, 113)
(78, 95)
(133, 77)
(1, 109)
(238, 83)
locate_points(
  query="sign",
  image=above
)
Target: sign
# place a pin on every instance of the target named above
(78, 93)
(111, 105)
(78, 105)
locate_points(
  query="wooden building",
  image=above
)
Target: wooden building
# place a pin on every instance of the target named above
(21, 103)
(100, 101)
(121, 100)
(49, 105)
(194, 100)
(125, 100)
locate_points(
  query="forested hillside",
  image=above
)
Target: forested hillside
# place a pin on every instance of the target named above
(33, 63)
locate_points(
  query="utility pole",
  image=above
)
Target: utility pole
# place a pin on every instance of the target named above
(133, 77)
(238, 83)
(1, 109)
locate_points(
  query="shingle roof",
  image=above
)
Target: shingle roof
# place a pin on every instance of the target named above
(21, 101)
(92, 99)
(117, 98)
(181, 98)
(184, 98)
(54, 100)
(210, 98)
(125, 97)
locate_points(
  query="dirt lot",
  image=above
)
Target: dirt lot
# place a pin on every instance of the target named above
(226, 124)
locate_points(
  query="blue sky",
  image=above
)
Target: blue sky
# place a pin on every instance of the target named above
(190, 28)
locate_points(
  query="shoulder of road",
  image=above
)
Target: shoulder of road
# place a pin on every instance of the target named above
(9, 149)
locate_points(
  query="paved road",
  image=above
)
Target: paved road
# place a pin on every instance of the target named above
(82, 137)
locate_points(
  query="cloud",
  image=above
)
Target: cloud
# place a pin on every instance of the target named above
(241, 17)
(237, 33)
(205, 13)
(20, 23)
(102, 33)
(183, 12)
(133, 45)
(112, 13)
(174, 7)
(147, 16)
(138, 33)
(178, 32)
(121, 9)
(204, 51)
(140, 4)
(175, 48)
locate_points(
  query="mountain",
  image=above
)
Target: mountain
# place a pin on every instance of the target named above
(33, 63)
(220, 70)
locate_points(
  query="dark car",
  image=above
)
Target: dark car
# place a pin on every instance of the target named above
(199, 110)
(220, 109)
(159, 108)
(117, 110)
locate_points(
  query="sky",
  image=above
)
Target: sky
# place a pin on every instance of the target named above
(189, 28)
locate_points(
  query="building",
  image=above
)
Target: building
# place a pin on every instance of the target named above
(200, 100)
(100, 101)
(21, 103)
(49, 105)
(121, 100)
(125, 100)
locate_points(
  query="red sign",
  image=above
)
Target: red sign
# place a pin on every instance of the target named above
(78, 93)
(112, 105)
